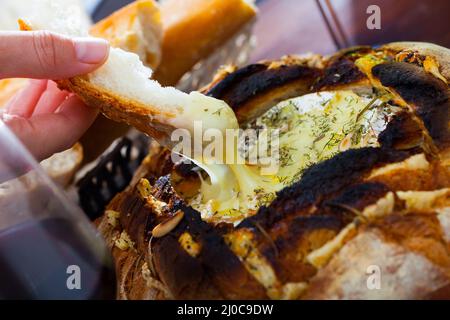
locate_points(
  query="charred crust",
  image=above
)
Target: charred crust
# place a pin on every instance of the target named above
(136, 219)
(164, 190)
(244, 86)
(295, 238)
(303, 235)
(352, 53)
(323, 180)
(205, 276)
(402, 132)
(233, 79)
(428, 95)
(208, 275)
(340, 72)
(357, 197)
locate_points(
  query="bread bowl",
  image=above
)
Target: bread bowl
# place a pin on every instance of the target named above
(379, 209)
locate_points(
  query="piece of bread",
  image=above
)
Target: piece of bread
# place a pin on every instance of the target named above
(210, 24)
(367, 223)
(193, 29)
(19, 194)
(135, 28)
(12, 10)
(62, 167)
(123, 91)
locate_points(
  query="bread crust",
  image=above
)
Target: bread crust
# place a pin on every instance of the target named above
(120, 109)
(441, 54)
(136, 28)
(410, 246)
(193, 29)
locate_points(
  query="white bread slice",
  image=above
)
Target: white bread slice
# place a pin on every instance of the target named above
(11, 10)
(135, 28)
(122, 90)
(211, 24)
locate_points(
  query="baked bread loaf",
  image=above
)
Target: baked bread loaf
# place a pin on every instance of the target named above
(368, 220)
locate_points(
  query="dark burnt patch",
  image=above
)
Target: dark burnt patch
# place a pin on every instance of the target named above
(241, 86)
(163, 189)
(211, 270)
(137, 219)
(427, 94)
(402, 132)
(234, 78)
(324, 180)
(356, 197)
(302, 236)
(341, 72)
(185, 276)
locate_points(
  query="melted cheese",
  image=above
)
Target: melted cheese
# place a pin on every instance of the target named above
(432, 66)
(124, 242)
(189, 244)
(312, 128)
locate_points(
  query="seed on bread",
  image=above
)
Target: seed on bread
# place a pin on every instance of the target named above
(165, 227)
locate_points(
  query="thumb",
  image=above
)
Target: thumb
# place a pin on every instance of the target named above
(46, 55)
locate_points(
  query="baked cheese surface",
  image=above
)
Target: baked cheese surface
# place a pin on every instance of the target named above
(311, 128)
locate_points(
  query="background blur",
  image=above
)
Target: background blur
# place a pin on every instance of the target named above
(322, 26)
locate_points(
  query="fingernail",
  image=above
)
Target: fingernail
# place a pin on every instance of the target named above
(91, 50)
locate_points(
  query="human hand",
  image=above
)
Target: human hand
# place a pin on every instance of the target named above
(46, 119)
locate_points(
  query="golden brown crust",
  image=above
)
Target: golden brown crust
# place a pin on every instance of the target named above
(441, 54)
(193, 29)
(136, 28)
(121, 109)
